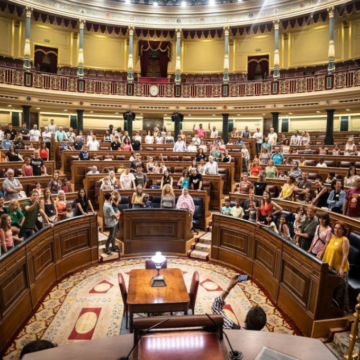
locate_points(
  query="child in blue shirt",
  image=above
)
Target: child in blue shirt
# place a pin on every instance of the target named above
(154, 185)
(148, 203)
(226, 210)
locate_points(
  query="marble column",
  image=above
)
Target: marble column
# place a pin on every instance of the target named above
(275, 119)
(80, 120)
(226, 55)
(130, 75)
(178, 57)
(27, 49)
(276, 53)
(80, 71)
(331, 54)
(329, 138)
(26, 115)
(225, 129)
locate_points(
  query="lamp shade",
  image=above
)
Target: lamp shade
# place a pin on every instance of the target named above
(158, 259)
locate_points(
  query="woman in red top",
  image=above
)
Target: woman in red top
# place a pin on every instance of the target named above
(44, 152)
(256, 168)
(267, 207)
(27, 169)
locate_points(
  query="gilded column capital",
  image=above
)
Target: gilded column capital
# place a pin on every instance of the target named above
(28, 11)
(178, 32)
(227, 30)
(276, 24)
(331, 12)
(82, 24)
(131, 30)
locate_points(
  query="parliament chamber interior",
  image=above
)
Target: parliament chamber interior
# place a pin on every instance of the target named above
(180, 179)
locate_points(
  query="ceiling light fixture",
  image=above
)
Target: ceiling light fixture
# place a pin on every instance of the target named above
(9, 105)
(65, 110)
(127, 1)
(318, 111)
(183, 3)
(211, 2)
(348, 110)
(155, 3)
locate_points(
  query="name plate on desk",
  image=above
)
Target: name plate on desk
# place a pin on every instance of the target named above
(270, 354)
(189, 345)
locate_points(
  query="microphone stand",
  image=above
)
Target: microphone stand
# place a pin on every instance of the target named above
(137, 341)
(233, 354)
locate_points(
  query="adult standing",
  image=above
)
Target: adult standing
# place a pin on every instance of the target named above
(127, 180)
(186, 202)
(137, 199)
(24, 132)
(322, 194)
(260, 185)
(336, 198)
(216, 153)
(83, 204)
(35, 134)
(267, 207)
(258, 136)
(213, 133)
(6, 142)
(336, 255)
(55, 184)
(179, 146)
(111, 221)
(201, 132)
(10, 131)
(277, 157)
(78, 144)
(211, 167)
(352, 201)
(140, 177)
(48, 206)
(46, 136)
(287, 191)
(306, 232)
(350, 177)
(272, 136)
(37, 164)
(93, 144)
(295, 171)
(167, 197)
(166, 179)
(323, 234)
(295, 139)
(71, 135)
(52, 127)
(196, 180)
(31, 208)
(60, 135)
(245, 134)
(303, 187)
(11, 186)
(271, 171)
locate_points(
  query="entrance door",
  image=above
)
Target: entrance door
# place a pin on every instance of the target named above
(267, 125)
(34, 120)
(149, 124)
(154, 68)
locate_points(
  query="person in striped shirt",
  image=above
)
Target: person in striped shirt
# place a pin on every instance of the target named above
(255, 318)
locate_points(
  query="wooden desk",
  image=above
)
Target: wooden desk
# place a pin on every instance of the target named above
(143, 298)
(248, 342)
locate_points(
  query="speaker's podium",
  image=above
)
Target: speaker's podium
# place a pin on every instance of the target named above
(186, 338)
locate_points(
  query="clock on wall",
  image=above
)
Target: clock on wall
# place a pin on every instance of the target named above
(154, 90)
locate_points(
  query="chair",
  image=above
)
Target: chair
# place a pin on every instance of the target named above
(193, 291)
(345, 164)
(354, 261)
(124, 203)
(174, 158)
(197, 217)
(124, 298)
(149, 265)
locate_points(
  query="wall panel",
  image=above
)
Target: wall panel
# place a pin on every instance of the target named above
(203, 56)
(355, 39)
(104, 52)
(6, 43)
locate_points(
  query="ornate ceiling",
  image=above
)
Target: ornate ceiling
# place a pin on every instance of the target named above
(196, 14)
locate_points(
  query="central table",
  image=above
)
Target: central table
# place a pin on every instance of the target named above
(143, 298)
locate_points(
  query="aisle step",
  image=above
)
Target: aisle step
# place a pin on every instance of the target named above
(104, 257)
(195, 254)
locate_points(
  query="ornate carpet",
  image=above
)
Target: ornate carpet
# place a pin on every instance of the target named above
(88, 305)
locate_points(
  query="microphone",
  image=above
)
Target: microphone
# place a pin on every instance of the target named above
(234, 355)
(137, 341)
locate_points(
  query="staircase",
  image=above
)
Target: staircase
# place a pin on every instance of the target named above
(340, 344)
(102, 241)
(201, 248)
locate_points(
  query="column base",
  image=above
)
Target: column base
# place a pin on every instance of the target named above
(27, 64)
(331, 67)
(177, 78)
(276, 74)
(226, 77)
(80, 72)
(130, 77)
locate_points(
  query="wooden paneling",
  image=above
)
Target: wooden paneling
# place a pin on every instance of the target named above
(28, 271)
(170, 232)
(50, 166)
(297, 282)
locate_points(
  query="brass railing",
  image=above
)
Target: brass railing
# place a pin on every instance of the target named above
(354, 334)
(296, 85)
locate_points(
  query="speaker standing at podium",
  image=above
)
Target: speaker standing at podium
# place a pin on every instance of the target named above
(255, 318)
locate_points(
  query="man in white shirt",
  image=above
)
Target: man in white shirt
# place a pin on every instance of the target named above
(258, 135)
(127, 180)
(179, 145)
(196, 140)
(213, 133)
(93, 144)
(93, 171)
(295, 139)
(52, 127)
(192, 147)
(34, 134)
(211, 167)
(46, 135)
(1, 134)
(71, 135)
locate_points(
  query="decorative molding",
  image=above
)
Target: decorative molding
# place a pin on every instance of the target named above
(28, 11)
(200, 17)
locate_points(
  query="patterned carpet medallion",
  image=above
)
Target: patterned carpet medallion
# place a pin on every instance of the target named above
(88, 305)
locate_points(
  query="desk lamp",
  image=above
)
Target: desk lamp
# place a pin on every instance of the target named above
(158, 280)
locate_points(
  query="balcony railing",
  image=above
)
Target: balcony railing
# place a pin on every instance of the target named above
(296, 85)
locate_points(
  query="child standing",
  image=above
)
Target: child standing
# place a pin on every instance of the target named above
(237, 211)
(252, 212)
(226, 210)
(6, 236)
(69, 211)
